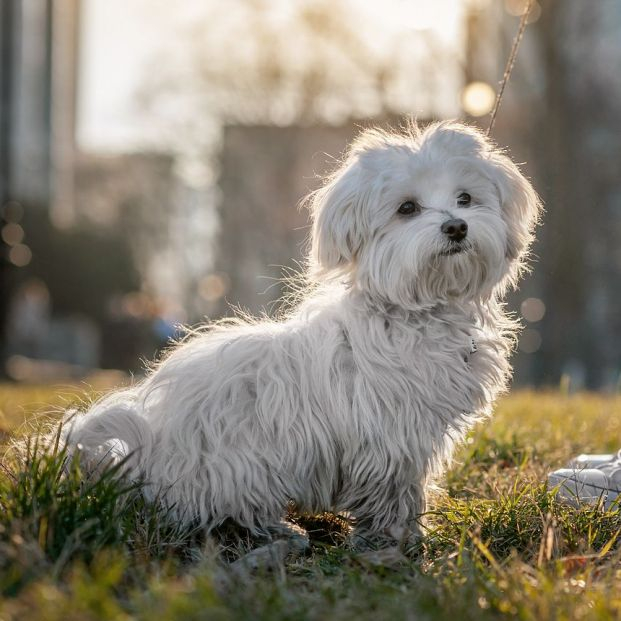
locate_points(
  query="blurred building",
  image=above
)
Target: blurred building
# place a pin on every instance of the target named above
(265, 172)
(140, 197)
(38, 62)
(99, 254)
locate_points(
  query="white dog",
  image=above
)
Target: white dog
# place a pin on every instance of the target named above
(354, 400)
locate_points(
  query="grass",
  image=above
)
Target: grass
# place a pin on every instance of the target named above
(498, 544)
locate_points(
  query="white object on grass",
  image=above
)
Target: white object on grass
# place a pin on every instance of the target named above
(591, 461)
(589, 479)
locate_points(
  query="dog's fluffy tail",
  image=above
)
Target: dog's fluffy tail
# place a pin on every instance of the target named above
(112, 432)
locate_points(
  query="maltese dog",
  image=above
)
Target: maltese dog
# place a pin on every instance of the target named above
(353, 401)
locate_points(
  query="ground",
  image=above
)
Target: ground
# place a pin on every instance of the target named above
(498, 544)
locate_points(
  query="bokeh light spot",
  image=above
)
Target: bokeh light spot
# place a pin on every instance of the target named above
(19, 368)
(137, 304)
(533, 309)
(12, 234)
(213, 287)
(20, 255)
(477, 98)
(518, 7)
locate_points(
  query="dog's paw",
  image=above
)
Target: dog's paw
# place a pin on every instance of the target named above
(296, 537)
(286, 543)
(401, 537)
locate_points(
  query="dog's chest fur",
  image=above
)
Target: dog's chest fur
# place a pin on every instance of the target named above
(440, 364)
(412, 385)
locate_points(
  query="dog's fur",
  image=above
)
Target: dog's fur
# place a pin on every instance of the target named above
(354, 400)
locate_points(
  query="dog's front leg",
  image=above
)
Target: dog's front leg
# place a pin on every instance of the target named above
(401, 517)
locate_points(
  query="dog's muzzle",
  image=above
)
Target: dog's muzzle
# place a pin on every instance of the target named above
(454, 248)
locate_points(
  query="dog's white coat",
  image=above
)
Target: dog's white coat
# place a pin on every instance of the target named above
(354, 400)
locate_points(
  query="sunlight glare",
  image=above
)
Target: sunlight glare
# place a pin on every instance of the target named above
(442, 17)
(477, 98)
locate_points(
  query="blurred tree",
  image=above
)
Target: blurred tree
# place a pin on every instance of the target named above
(303, 61)
(579, 160)
(560, 116)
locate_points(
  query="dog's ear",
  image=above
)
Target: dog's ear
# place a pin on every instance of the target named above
(341, 209)
(521, 207)
(337, 219)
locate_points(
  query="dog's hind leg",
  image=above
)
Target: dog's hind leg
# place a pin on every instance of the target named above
(110, 434)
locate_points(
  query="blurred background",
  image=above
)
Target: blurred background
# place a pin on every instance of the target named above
(152, 156)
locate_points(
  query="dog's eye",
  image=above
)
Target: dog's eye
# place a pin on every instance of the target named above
(409, 208)
(464, 199)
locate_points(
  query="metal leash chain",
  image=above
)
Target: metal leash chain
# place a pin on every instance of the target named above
(509, 65)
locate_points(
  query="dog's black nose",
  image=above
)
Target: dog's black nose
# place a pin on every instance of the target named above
(455, 229)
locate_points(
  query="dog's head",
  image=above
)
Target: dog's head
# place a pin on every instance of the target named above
(424, 217)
